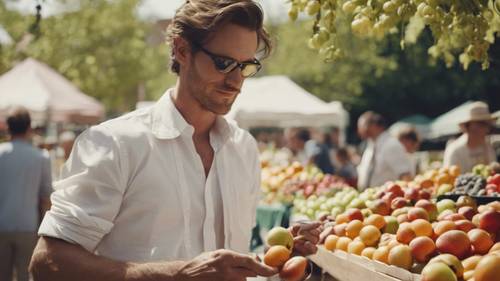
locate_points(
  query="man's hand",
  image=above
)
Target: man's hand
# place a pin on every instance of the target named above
(306, 236)
(223, 265)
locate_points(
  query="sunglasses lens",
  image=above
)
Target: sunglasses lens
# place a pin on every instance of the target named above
(224, 65)
(250, 69)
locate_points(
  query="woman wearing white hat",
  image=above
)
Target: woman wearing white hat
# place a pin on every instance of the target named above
(473, 146)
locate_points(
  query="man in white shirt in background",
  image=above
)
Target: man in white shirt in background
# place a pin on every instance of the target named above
(384, 158)
(169, 192)
(473, 146)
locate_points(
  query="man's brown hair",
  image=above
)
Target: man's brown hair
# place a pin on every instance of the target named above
(196, 20)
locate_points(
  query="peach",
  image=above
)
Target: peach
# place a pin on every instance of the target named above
(376, 220)
(445, 213)
(490, 221)
(294, 269)
(438, 272)
(481, 241)
(354, 214)
(400, 256)
(402, 218)
(429, 207)
(369, 235)
(454, 242)
(422, 227)
(353, 228)
(467, 211)
(276, 256)
(355, 247)
(399, 202)
(464, 225)
(339, 229)
(422, 248)
(343, 243)
(488, 269)
(451, 261)
(331, 242)
(341, 218)
(405, 235)
(443, 226)
(466, 200)
(417, 213)
(381, 254)
(368, 252)
(454, 217)
(495, 247)
(381, 207)
(470, 263)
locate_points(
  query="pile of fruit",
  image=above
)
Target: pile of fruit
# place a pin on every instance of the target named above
(483, 181)
(284, 183)
(442, 241)
(280, 242)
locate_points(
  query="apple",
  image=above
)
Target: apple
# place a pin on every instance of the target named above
(280, 236)
(445, 204)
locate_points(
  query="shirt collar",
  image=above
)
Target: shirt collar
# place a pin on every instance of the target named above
(168, 122)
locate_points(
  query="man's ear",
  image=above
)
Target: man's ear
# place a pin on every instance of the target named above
(182, 51)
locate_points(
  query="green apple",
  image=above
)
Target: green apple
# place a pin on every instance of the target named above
(445, 204)
(391, 225)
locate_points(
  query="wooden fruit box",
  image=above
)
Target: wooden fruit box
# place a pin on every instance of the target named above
(347, 267)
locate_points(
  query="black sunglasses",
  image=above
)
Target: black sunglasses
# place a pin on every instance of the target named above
(226, 65)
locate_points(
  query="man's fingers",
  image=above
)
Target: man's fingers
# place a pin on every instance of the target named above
(327, 231)
(308, 237)
(245, 261)
(306, 248)
(244, 272)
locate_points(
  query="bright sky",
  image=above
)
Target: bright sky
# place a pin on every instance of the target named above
(151, 9)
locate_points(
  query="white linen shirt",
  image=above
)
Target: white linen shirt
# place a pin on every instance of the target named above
(391, 161)
(134, 189)
(458, 153)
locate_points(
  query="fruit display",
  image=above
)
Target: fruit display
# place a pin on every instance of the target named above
(444, 240)
(283, 183)
(280, 243)
(483, 181)
(459, 28)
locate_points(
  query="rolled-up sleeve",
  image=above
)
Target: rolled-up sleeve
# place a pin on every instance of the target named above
(87, 199)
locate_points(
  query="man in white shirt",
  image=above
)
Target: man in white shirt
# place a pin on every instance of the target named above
(384, 158)
(169, 192)
(473, 146)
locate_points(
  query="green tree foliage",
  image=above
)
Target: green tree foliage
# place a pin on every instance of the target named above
(378, 75)
(101, 47)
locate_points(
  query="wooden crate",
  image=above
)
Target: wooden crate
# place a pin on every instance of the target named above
(347, 267)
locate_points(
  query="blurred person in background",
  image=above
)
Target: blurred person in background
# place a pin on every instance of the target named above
(331, 140)
(410, 139)
(385, 158)
(170, 192)
(346, 168)
(473, 146)
(309, 151)
(25, 187)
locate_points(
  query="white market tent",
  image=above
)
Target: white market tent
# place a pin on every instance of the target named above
(421, 123)
(448, 123)
(276, 101)
(48, 95)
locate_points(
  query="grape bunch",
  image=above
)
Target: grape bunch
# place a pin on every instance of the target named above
(470, 184)
(465, 28)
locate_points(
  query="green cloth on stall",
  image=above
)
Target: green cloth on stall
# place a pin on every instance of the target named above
(269, 216)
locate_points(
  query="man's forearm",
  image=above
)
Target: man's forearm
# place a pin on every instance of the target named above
(57, 260)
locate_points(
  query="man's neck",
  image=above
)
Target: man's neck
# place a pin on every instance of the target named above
(201, 119)
(474, 141)
(23, 137)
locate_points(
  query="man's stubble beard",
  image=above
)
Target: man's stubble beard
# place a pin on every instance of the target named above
(200, 94)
